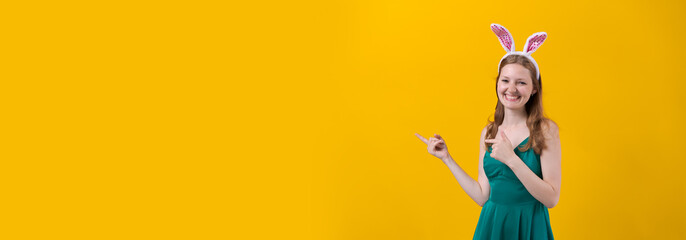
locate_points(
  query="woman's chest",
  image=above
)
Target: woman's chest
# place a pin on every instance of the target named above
(494, 168)
(516, 136)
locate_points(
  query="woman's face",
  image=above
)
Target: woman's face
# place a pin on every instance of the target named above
(515, 86)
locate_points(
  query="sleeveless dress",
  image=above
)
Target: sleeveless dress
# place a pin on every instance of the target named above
(511, 212)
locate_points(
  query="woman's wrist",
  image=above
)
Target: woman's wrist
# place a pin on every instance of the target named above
(513, 160)
(447, 159)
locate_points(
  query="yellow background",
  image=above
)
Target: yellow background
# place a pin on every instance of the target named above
(295, 119)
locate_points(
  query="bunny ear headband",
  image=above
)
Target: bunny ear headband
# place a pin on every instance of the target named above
(532, 44)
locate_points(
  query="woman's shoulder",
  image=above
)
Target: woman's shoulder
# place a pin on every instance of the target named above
(550, 124)
(550, 127)
(484, 132)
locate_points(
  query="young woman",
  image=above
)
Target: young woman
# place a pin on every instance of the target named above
(516, 183)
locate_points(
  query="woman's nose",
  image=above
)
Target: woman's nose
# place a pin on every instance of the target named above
(511, 88)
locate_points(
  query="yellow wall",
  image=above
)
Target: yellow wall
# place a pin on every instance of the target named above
(295, 119)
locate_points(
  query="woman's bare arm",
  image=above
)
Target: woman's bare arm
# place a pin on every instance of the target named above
(479, 190)
(546, 190)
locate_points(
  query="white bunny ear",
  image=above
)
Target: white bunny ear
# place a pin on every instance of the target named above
(534, 42)
(504, 36)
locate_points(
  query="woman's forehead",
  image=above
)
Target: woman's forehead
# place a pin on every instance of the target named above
(515, 71)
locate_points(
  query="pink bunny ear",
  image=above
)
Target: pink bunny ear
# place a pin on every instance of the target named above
(534, 42)
(504, 36)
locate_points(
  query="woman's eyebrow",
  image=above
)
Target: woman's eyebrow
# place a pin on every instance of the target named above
(515, 79)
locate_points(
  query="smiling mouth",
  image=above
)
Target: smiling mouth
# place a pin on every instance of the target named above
(512, 98)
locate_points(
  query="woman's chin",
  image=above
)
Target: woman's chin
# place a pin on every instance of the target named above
(513, 106)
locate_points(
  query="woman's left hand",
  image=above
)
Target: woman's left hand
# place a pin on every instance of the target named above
(502, 149)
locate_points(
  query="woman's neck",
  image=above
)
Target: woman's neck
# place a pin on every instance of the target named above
(514, 118)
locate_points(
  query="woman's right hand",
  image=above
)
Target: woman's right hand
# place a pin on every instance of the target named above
(436, 146)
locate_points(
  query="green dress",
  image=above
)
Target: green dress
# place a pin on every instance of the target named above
(511, 212)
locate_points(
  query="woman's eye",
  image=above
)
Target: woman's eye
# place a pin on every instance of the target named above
(522, 83)
(504, 80)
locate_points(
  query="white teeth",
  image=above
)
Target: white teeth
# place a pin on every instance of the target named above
(511, 98)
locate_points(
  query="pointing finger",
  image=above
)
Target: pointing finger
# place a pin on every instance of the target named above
(491, 140)
(503, 135)
(422, 138)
